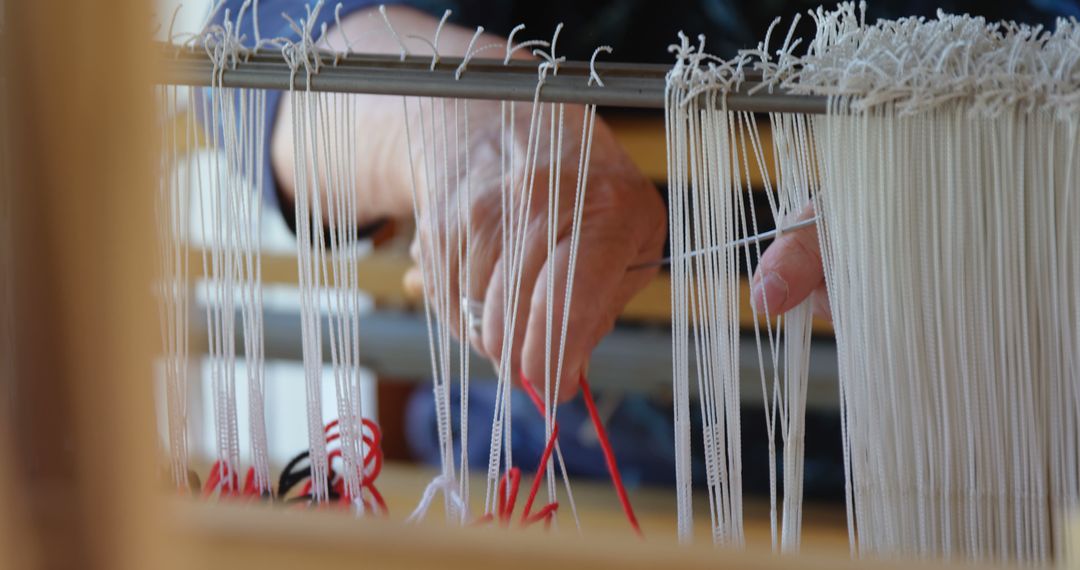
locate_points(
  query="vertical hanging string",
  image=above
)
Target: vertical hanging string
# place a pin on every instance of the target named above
(706, 177)
(173, 288)
(338, 147)
(445, 225)
(464, 256)
(307, 108)
(246, 200)
(713, 156)
(256, 358)
(795, 183)
(517, 218)
(244, 224)
(234, 271)
(675, 120)
(432, 212)
(948, 179)
(220, 270)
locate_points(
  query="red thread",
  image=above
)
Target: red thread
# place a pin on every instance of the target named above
(223, 480)
(609, 456)
(605, 446)
(508, 499)
(250, 489)
(369, 471)
(505, 506)
(221, 475)
(525, 519)
(512, 478)
(510, 483)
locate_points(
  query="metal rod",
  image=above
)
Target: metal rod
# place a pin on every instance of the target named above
(625, 85)
(737, 243)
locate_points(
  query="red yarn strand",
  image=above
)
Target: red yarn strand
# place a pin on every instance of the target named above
(605, 446)
(609, 457)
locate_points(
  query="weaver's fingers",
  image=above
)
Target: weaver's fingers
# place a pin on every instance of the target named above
(601, 288)
(495, 300)
(413, 280)
(789, 271)
(471, 264)
(431, 279)
(413, 283)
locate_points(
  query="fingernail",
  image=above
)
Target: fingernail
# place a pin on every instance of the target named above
(769, 291)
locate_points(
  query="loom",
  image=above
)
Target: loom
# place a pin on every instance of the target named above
(120, 517)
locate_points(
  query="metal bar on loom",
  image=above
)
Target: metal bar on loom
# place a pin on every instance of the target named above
(625, 84)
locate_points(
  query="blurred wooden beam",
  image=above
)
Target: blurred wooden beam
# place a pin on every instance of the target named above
(81, 124)
(238, 536)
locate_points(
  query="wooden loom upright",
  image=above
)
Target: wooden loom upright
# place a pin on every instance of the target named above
(78, 480)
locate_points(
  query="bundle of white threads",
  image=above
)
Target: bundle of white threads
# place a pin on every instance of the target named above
(171, 210)
(308, 131)
(230, 225)
(949, 182)
(943, 175)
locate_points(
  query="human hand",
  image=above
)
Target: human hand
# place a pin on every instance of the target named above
(624, 221)
(790, 270)
(623, 224)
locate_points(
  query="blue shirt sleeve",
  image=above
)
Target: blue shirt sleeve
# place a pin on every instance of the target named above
(273, 25)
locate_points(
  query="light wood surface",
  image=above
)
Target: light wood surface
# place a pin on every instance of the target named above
(84, 464)
(825, 531)
(238, 536)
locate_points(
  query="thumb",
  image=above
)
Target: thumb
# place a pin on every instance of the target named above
(789, 271)
(413, 282)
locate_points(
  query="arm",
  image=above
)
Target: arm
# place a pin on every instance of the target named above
(624, 219)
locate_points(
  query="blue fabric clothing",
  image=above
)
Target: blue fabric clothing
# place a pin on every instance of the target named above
(641, 430)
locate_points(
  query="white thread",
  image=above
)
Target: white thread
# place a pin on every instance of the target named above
(240, 15)
(946, 140)
(593, 75)
(435, 42)
(213, 12)
(550, 61)
(511, 48)
(440, 483)
(393, 33)
(510, 42)
(172, 22)
(434, 264)
(309, 126)
(172, 214)
(469, 53)
(255, 25)
(346, 44)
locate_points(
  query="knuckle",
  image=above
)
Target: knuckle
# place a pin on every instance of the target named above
(805, 244)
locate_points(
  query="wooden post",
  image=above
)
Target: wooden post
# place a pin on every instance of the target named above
(81, 147)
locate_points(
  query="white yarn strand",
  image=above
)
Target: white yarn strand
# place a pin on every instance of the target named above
(951, 191)
(172, 214)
